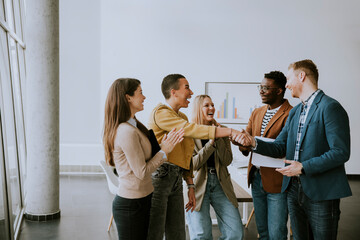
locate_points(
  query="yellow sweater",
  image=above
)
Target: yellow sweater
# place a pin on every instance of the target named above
(163, 119)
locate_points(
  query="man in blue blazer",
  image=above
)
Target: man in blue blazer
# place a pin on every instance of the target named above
(316, 137)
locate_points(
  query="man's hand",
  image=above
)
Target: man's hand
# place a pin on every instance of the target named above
(235, 134)
(244, 139)
(192, 201)
(291, 170)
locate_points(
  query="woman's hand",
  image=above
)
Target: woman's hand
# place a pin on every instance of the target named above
(170, 140)
(192, 200)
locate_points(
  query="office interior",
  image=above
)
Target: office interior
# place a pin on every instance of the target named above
(59, 57)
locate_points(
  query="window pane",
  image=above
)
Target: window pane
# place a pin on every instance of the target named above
(17, 18)
(22, 70)
(18, 103)
(9, 133)
(3, 229)
(2, 11)
(10, 14)
(19, 92)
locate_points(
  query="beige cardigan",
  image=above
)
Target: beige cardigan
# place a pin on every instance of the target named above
(223, 157)
(132, 153)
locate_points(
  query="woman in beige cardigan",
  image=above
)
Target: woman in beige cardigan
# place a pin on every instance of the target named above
(128, 148)
(212, 181)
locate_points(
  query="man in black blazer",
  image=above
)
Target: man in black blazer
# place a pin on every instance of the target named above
(316, 138)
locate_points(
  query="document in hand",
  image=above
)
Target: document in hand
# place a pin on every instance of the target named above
(265, 161)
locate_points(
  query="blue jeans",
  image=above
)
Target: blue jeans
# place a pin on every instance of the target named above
(131, 217)
(271, 211)
(167, 207)
(229, 219)
(321, 216)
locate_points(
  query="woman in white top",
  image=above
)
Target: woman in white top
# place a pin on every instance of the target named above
(128, 148)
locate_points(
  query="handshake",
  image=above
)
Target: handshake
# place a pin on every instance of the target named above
(242, 139)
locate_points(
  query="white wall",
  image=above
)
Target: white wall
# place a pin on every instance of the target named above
(206, 41)
(80, 116)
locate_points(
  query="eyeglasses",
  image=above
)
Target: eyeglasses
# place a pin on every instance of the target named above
(265, 88)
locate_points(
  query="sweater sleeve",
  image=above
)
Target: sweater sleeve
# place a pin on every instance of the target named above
(166, 119)
(129, 142)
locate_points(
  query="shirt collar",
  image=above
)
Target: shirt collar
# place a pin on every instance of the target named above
(168, 105)
(132, 121)
(273, 110)
(311, 98)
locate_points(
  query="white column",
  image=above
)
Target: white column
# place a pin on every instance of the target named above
(42, 128)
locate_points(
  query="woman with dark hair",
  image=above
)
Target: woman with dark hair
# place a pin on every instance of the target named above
(128, 148)
(212, 181)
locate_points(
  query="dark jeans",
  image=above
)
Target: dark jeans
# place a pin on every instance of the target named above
(321, 217)
(132, 217)
(167, 209)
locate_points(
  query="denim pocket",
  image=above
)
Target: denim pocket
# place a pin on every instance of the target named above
(161, 171)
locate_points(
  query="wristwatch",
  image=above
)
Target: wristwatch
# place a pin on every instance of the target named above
(191, 186)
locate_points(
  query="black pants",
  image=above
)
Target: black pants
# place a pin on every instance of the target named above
(132, 217)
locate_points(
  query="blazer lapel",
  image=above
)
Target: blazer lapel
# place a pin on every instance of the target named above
(277, 115)
(312, 110)
(198, 145)
(295, 122)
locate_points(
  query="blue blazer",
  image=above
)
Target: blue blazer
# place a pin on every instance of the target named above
(324, 148)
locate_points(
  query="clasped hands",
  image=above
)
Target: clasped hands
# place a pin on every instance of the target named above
(242, 139)
(245, 142)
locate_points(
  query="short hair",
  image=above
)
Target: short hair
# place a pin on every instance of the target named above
(117, 111)
(169, 82)
(308, 67)
(278, 77)
(197, 115)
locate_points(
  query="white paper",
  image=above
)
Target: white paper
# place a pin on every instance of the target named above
(265, 161)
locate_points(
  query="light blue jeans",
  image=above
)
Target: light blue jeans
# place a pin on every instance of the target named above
(271, 211)
(229, 219)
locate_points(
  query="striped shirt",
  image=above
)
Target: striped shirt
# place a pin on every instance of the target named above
(303, 115)
(268, 116)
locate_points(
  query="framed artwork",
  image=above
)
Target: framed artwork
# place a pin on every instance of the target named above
(234, 101)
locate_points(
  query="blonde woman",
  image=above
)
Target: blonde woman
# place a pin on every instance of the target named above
(127, 147)
(212, 181)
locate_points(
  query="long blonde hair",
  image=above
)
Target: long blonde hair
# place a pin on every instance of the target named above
(117, 110)
(197, 115)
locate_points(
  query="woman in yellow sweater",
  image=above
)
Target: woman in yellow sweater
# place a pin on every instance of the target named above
(128, 148)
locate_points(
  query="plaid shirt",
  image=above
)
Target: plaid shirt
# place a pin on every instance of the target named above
(303, 115)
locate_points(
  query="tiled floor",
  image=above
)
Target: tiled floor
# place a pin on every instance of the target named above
(85, 203)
